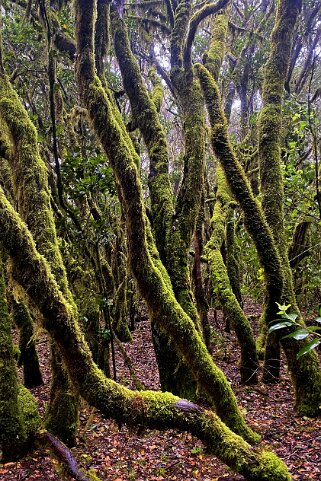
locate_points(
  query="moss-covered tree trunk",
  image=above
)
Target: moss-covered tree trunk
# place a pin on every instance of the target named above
(119, 268)
(218, 267)
(33, 200)
(173, 250)
(223, 290)
(197, 275)
(59, 408)
(270, 162)
(152, 278)
(12, 433)
(19, 419)
(305, 371)
(305, 375)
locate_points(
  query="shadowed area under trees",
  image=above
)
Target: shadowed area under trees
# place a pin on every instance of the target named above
(151, 159)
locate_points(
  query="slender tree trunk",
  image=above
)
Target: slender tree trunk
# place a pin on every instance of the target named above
(217, 264)
(305, 371)
(19, 419)
(33, 197)
(219, 275)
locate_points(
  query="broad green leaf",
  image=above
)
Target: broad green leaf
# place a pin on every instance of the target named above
(280, 325)
(292, 316)
(299, 334)
(308, 347)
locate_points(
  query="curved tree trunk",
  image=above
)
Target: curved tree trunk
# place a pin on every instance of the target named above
(33, 199)
(147, 408)
(305, 371)
(152, 278)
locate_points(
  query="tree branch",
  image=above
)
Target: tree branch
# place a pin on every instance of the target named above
(196, 19)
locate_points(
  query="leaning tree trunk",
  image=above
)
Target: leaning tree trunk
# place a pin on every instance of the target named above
(151, 276)
(305, 371)
(19, 419)
(173, 250)
(33, 199)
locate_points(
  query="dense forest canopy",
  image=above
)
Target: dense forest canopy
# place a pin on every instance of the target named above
(159, 157)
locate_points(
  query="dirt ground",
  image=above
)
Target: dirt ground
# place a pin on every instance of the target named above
(116, 453)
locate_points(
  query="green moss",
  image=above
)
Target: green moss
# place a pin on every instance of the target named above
(178, 36)
(173, 231)
(270, 122)
(305, 372)
(159, 298)
(119, 267)
(29, 411)
(271, 467)
(102, 35)
(215, 55)
(18, 420)
(33, 197)
(221, 283)
(241, 190)
(158, 90)
(62, 418)
(31, 179)
(152, 409)
(233, 253)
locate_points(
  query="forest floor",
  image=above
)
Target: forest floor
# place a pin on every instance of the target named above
(119, 454)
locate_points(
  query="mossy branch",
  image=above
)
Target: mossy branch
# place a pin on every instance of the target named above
(197, 18)
(31, 179)
(214, 56)
(102, 34)
(253, 216)
(223, 289)
(178, 36)
(147, 119)
(152, 409)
